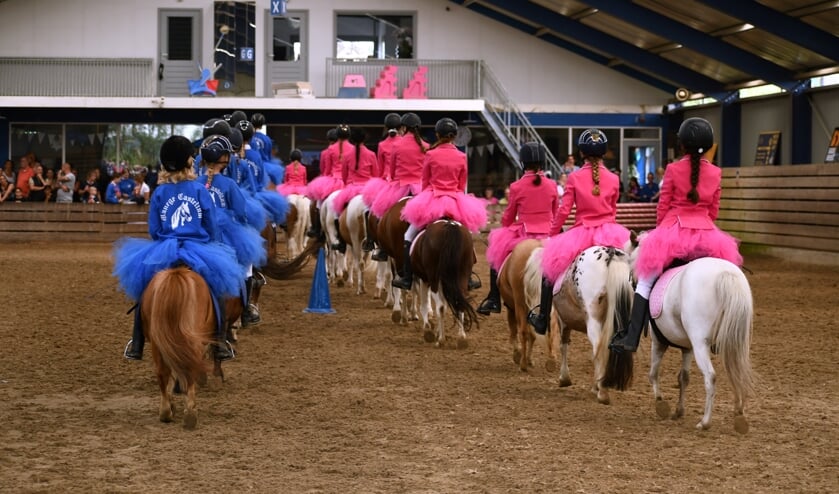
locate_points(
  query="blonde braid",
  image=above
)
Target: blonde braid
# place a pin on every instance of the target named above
(595, 176)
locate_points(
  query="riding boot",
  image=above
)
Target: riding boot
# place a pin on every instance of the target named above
(341, 246)
(222, 349)
(474, 282)
(626, 340)
(404, 282)
(379, 255)
(250, 313)
(493, 301)
(134, 348)
(539, 320)
(315, 231)
(367, 245)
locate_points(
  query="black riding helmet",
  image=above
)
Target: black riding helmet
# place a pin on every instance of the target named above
(592, 142)
(332, 135)
(696, 134)
(392, 121)
(358, 135)
(342, 131)
(532, 152)
(215, 148)
(236, 139)
(446, 127)
(296, 155)
(411, 121)
(215, 126)
(246, 128)
(175, 153)
(258, 120)
(237, 116)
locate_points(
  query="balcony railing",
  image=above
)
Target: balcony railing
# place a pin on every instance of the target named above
(95, 77)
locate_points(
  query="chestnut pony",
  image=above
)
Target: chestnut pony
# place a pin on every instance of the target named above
(179, 321)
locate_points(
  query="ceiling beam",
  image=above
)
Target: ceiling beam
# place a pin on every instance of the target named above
(696, 40)
(583, 36)
(781, 25)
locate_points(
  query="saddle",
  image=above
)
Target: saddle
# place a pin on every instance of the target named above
(656, 305)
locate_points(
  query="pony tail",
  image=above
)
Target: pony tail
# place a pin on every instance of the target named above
(537, 180)
(693, 195)
(210, 174)
(340, 149)
(595, 176)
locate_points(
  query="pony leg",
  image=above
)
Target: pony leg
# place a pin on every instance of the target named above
(565, 342)
(662, 408)
(514, 325)
(166, 382)
(599, 357)
(462, 342)
(439, 313)
(524, 343)
(684, 380)
(190, 414)
(552, 342)
(703, 361)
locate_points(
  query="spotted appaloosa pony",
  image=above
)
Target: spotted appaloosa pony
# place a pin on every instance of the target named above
(442, 260)
(179, 321)
(703, 307)
(351, 226)
(594, 296)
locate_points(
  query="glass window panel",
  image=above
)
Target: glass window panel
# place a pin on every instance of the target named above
(371, 35)
(179, 36)
(234, 48)
(286, 39)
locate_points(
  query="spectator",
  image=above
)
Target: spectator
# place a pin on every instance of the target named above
(634, 190)
(570, 165)
(141, 192)
(66, 184)
(9, 172)
(19, 195)
(90, 182)
(560, 184)
(92, 195)
(649, 190)
(37, 185)
(7, 189)
(126, 185)
(49, 180)
(659, 178)
(112, 193)
(24, 173)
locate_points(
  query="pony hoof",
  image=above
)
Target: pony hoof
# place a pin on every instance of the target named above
(741, 425)
(702, 427)
(190, 420)
(429, 336)
(462, 344)
(603, 399)
(516, 355)
(564, 382)
(550, 366)
(340, 282)
(396, 317)
(662, 409)
(166, 416)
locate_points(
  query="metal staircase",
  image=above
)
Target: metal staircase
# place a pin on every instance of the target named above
(508, 125)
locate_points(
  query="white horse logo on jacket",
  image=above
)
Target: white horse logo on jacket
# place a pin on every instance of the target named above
(181, 216)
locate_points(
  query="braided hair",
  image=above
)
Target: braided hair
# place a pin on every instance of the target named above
(595, 162)
(693, 195)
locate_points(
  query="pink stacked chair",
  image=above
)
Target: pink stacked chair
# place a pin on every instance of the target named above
(385, 87)
(416, 88)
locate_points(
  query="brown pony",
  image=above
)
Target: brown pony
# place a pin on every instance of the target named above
(390, 234)
(179, 320)
(442, 260)
(519, 297)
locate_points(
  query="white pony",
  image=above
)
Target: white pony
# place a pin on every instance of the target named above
(594, 297)
(296, 232)
(335, 260)
(352, 229)
(705, 307)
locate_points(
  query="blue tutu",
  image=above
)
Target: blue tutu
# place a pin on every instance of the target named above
(274, 171)
(256, 213)
(275, 204)
(245, 240)
(137, 260)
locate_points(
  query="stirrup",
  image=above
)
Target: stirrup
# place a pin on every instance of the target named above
(538, 321)
(488, 306)
(618, 346)
(129, 352)
(250, 316)
(402, 283)
(379, 255)
(367, 245)
(474, 282)
(221, 354)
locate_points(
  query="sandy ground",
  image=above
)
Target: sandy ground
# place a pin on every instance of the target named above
(350, 402)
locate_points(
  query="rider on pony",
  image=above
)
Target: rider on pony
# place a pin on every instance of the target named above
(294, 178)
(595, 191)
(532, 204)
(184, 230)
(332, 163)
(230, 200)
(685, 229)
(443, 195)
(384, 156)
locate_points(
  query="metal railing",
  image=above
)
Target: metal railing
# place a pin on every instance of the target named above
(445, 79)
(95, 77)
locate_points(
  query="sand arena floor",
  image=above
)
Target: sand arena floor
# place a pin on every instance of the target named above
(351, 402)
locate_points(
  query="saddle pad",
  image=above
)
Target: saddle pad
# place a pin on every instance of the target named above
(660, 287)
(422, 232)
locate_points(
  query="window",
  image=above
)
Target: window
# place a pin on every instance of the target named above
(371, 35)
(234, 40)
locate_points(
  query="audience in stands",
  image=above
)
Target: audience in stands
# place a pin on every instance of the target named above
(37, 184)
(7, 189)
(66, 184)
(24, 173)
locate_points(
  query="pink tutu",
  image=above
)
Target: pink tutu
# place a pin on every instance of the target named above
(288, 189)
(320, 188)
(371, 190)
(663, 245)
(344, 197)
(503, 240)
(561, 250)
(389, 196)
(426, 207)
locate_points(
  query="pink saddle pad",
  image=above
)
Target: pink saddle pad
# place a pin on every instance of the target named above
(659, 289)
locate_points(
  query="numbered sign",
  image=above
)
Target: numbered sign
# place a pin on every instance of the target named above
(246, 54)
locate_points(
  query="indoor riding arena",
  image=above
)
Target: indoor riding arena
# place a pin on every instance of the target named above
(351, 402)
